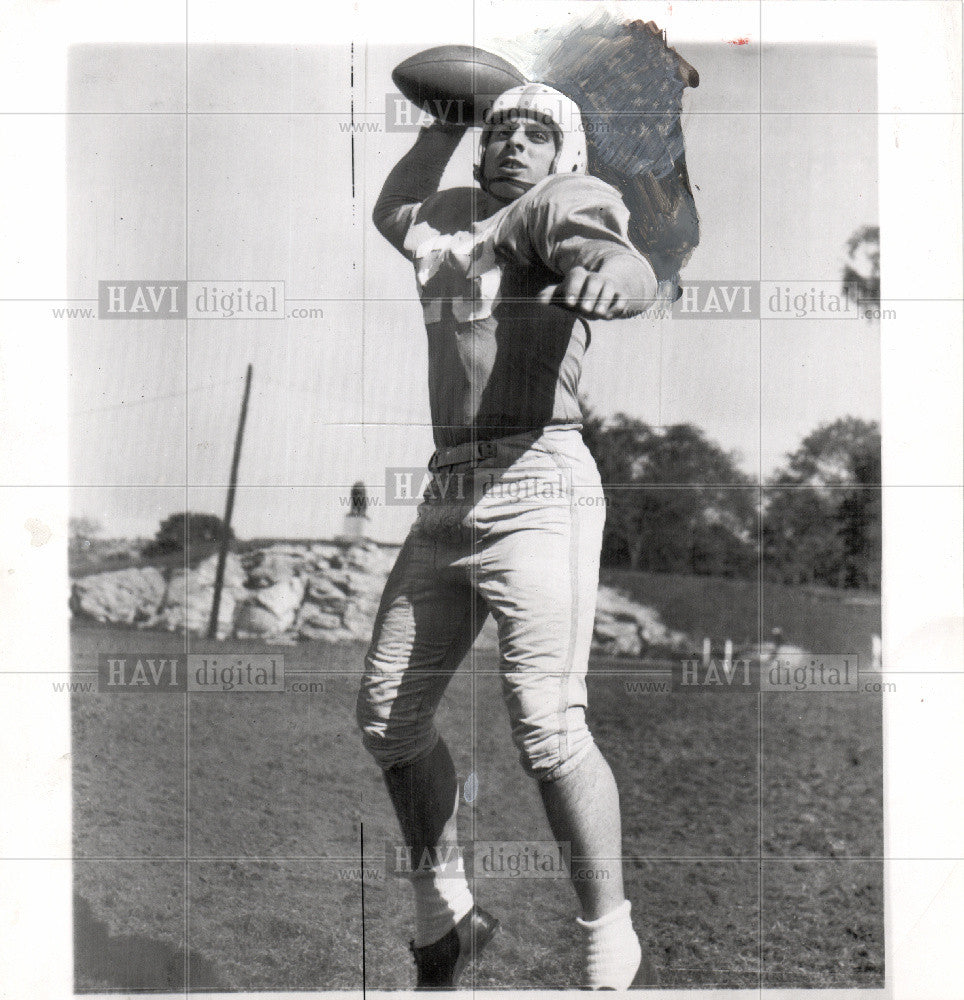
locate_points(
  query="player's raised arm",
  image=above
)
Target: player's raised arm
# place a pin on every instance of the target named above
(416, 176)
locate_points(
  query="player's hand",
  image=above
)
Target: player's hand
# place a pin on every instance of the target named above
(592, 295)
(442, 127)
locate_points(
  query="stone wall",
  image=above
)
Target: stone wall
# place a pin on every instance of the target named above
(288, 593)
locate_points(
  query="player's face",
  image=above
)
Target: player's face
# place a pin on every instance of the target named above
(519, 153)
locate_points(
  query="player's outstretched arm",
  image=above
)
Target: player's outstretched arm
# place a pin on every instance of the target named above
(416, 176)
(577, 225)
(621, 286)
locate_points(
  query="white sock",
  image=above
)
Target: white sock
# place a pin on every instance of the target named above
(442, 899)
(611, 949)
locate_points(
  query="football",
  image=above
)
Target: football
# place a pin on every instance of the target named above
(455, 83)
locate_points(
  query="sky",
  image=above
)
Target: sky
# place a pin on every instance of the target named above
(259, 182)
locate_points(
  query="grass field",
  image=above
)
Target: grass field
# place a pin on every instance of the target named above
(752, 824)
(818, 619)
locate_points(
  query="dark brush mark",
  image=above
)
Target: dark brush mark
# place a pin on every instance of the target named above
(104, 961)
(629, 84)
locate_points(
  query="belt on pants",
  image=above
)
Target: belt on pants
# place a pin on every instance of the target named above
(477, 451)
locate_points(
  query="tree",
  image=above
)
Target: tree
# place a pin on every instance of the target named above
(179, 531)
(861, 274)
(823, 509)
(676, 502)
(81, 532)
(861, 516)
(82, 527)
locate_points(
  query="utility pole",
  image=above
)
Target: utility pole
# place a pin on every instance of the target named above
(228, 510)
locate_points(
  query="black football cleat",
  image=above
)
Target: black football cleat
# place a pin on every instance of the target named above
(441, 963)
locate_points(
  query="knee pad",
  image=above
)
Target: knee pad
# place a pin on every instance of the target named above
(549, 751)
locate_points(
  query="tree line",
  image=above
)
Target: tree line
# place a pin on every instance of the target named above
(678, 503)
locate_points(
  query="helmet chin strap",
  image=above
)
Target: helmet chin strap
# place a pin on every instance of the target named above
(479, 173)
